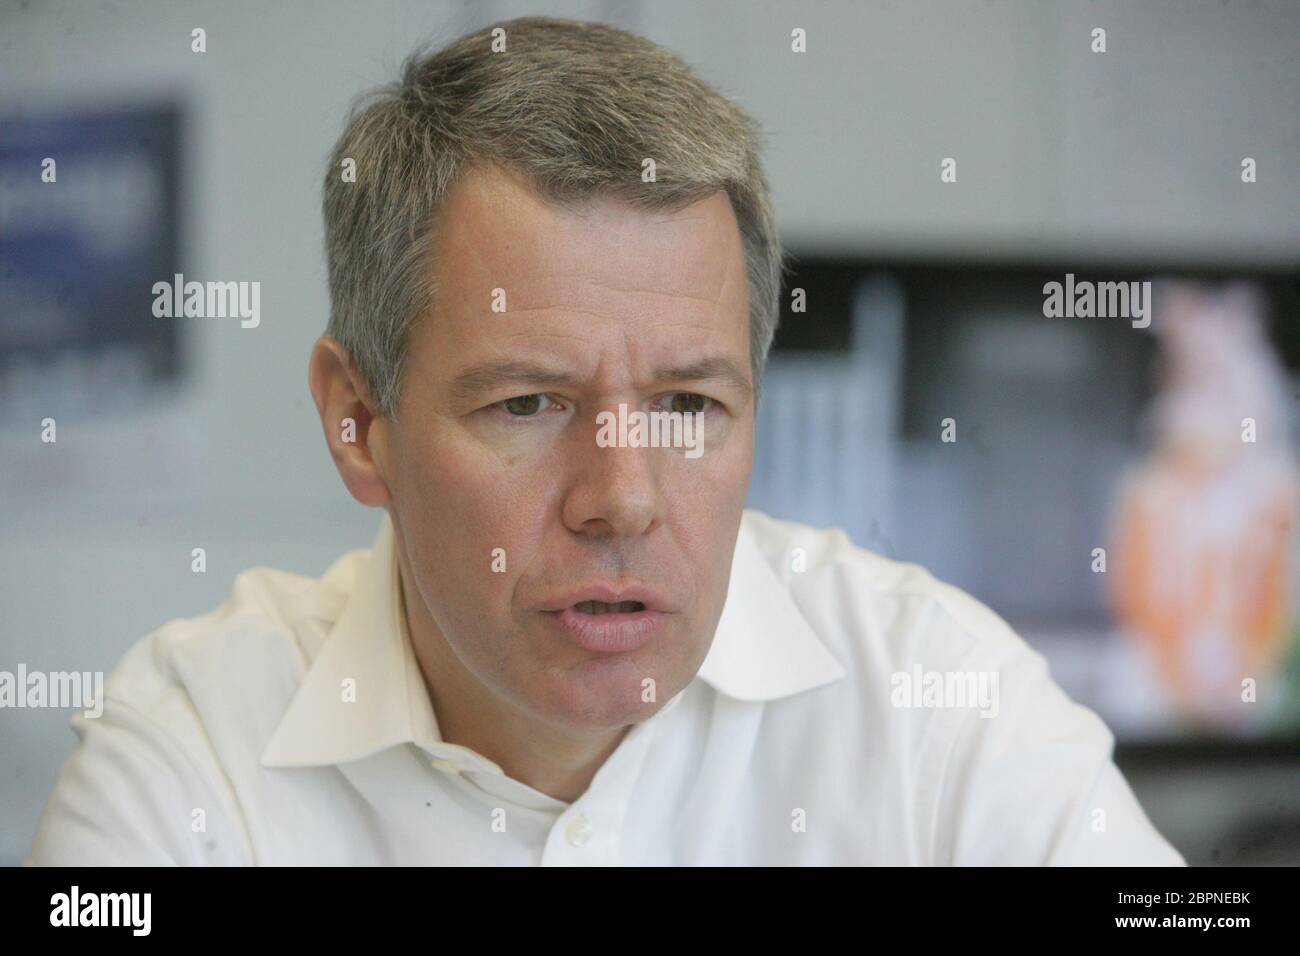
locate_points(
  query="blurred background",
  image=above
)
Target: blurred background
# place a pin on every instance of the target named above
(1125, 497)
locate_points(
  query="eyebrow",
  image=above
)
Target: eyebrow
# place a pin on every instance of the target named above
(486, 376)
(717, 368)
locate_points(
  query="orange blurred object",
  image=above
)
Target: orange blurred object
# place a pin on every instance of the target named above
(1203, 534)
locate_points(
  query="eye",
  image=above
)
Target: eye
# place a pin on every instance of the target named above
(525, 406)
(688, 402)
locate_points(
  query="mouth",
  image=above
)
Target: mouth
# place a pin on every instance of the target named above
(603, 607)
(597, 598)
(609, 623)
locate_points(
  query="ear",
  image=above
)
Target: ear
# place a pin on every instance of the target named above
(347, 413)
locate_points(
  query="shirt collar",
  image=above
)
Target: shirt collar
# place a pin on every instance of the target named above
(763, 650)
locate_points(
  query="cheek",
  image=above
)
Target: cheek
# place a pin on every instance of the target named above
(726, 494)
(705, 504)
(713, 486)
(463, 505)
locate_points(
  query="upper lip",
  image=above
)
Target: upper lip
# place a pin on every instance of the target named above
(608, 594)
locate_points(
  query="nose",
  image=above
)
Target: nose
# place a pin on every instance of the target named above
(614, 491)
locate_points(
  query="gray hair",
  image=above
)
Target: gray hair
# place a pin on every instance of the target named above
(575, 107)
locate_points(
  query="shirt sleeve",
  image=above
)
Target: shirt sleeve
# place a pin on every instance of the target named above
(1034, 784)
(131, 795)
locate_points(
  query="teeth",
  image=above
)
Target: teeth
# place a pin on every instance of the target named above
(600, 607)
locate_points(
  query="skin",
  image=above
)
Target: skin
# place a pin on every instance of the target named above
(620, 303)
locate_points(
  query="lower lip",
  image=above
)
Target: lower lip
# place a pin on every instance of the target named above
(609, 633)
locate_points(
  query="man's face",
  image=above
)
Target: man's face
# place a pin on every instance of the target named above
(496, 447)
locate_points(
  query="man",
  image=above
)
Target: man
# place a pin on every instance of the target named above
(570, 644)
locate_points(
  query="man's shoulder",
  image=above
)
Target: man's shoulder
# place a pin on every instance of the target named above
(259, 639)
(861, 602)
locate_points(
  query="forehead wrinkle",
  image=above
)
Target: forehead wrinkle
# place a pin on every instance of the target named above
(538, 334)
(636, 365)
(717, 304)
(636, 290)
(585, 337)
(558, 285)
(559, 308)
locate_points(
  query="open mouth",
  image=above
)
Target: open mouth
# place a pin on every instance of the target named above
(601, 607)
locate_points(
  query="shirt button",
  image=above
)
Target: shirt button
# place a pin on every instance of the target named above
(578, 831)
(446, 766)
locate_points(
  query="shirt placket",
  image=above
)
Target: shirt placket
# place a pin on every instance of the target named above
(590, 831)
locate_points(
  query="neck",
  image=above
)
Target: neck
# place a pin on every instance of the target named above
(556, 761)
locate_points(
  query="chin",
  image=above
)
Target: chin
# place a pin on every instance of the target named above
(601, 693)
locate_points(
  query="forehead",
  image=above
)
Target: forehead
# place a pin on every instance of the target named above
(592, 266)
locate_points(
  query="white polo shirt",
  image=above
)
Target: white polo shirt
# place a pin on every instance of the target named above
(816, 732)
